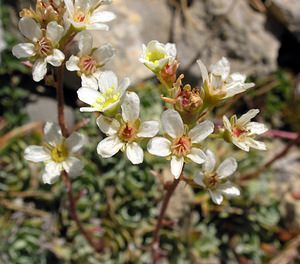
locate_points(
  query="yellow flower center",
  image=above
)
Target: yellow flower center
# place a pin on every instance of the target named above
(108, 98)
(44, 47)
(87, 65)
(59, 153)
(181, 146)
(155, 56)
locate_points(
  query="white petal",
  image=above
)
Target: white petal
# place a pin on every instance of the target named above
(72, 63)
(172, 123)
(241, 144)
(39, 70)
(76, 142)
(197, 156)
(256, 128)
(226, 123)
(159, 146)
(216, 196)
(52, 134)
(198, 178)
(102, 17)
(245, 118)
(221, 68)
(148, 129)
(88, 109)
(30, 29)
(85, 43)
(201, 131)
(229, 189)
(54, 32)
(23, 50)
(256, 144)
(109, 146)
(176, 166)
(210, 161)
(227, 168)
(36, 154)
(124, 85)
(53, 168)
(203, 70)
(83, 5)
(89, 81)
(49, 178)
(88, 95)
(107, 80)
(97, 26)
(107, 125)
(134, 153)
(56, 58)
(70, 6)
(73, 166)
(131, 107)
(171, 50)
(103, 54)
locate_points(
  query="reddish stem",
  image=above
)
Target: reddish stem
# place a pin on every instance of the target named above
(98, 246)
(155, 241)
(61, 100)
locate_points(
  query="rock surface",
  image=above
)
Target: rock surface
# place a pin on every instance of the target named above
(44, 109)
(288, 13)
(206, 30)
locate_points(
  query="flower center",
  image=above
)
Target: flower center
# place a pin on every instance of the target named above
(59, 153)
(181, 146)
(237, 132)
(80, 16)
(155, 56)
(108, 98)
(87, 65)
(127, 132)
(211, 180)
(44, 47)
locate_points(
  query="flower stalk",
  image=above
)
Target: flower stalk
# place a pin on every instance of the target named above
(156, 238)
(96, 245)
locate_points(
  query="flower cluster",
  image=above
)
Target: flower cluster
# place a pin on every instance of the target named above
(185, 125)
(51, 27)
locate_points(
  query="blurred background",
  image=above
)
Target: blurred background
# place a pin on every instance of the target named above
(118, 201)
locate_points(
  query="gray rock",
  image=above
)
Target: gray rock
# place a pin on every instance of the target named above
(286, 183)
(288, 13)
(45, 109)
(206, 30)
(137, 22)
(226, 28)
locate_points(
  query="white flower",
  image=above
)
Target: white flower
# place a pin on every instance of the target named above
(85, 14)
(157, 55)
(220, 84)
(241, 132)
(58, 153)
(109, 96)
(216, 180)
(89, 61)
(42, 46)
(179, 144)
(125, 133)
